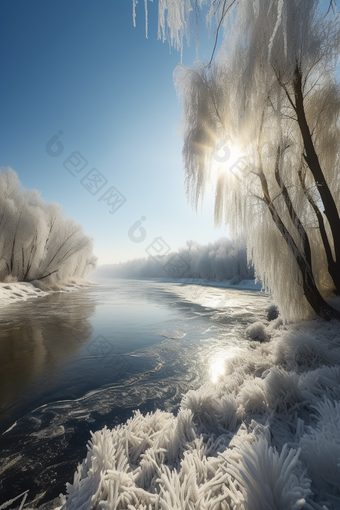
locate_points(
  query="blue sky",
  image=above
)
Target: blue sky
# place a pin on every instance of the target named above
(81, 67)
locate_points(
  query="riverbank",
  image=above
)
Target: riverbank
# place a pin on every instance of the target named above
(234, 283)
(21, 291)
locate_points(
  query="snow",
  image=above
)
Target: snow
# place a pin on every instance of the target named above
(11, 292)
(225, 284)
(262, 434)
(21, 291)
(258, 331)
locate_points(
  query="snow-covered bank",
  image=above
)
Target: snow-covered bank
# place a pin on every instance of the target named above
(234, 283)
(266, 435)
(21, 291)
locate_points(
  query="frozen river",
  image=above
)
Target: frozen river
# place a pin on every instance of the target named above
(74, 362)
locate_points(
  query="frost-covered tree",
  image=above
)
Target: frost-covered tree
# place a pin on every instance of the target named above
(37, 242)
(272, 92)
(221, 260)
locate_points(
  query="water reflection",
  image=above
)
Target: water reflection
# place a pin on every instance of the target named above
(218, 361)
(35, 343)
(217, 368)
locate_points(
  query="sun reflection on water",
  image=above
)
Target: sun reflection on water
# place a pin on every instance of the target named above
(217, 363)
(217, 368)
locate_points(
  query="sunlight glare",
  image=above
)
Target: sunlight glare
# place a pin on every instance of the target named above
(217, 369)
(226, 158)
(217, 363)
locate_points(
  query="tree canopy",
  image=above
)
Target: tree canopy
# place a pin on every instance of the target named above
(271, 93)
(38, 242)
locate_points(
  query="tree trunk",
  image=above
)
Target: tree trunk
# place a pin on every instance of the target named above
(313, 163)
(311, 292)
(332, 266)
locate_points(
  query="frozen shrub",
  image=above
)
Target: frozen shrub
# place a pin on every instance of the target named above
(272, 312)
(267, 479)
(303, 350)
(258, 332)
(321, 450)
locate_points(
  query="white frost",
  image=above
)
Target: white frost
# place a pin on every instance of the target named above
(264, 436)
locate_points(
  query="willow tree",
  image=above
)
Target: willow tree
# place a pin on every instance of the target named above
(270, 93)
(37, 242)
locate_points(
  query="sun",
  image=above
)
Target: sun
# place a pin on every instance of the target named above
(227, 157)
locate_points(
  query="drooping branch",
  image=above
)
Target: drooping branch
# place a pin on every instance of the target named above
(225, 11)
(34, 246)
(47, 275)
(62, 245)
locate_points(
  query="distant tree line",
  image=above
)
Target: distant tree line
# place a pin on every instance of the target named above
(221, 260)
(37, 242)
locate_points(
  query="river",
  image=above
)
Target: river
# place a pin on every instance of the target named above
(72, 362)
